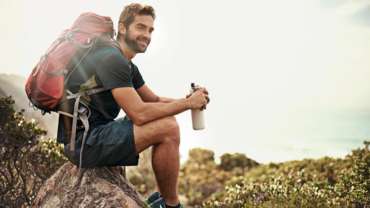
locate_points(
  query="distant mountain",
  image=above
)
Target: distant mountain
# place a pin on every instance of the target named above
(13, 85)
(2, 93)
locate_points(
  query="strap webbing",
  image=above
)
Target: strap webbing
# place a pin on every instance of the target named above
(74, 123)
(82, 114)
(65, 113)
(85, 122)
(87, 92)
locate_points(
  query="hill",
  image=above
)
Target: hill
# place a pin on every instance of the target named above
(13, 85)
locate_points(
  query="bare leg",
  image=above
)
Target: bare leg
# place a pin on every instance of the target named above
(164, 135)
(166, 166)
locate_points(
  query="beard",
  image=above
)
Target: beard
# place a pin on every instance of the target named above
(133, 43)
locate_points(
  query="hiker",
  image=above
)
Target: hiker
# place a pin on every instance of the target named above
(149, 120)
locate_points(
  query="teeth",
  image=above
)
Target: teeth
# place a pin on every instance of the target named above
(143, 41)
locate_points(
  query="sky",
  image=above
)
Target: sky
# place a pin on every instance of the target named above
(287, 79)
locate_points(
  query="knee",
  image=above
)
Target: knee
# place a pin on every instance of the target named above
(172, 125)
(172, 130)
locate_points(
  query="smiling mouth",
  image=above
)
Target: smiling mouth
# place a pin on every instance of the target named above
(143, 43)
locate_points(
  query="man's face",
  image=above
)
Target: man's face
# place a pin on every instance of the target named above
(138, 35)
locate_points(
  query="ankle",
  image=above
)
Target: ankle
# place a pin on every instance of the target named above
(172, 202)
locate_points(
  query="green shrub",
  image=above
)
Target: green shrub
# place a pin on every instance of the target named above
(26, 161)
(325, 182)
(200, 176)
(236, 160)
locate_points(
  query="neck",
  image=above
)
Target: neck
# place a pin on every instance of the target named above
(127, 52)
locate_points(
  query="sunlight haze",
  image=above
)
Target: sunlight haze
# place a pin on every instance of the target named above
(287, 79)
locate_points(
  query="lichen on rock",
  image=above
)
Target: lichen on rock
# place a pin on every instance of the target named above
(96, 187)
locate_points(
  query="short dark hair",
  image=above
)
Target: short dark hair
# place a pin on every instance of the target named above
(130, 11)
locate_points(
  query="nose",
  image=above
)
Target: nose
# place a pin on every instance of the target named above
(147, 34)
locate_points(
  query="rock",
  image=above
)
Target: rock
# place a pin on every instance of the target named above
(97, 187)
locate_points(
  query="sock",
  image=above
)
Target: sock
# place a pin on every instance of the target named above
(176, 206)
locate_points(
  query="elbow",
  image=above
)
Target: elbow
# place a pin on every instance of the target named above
(138, 120)
(140, 115)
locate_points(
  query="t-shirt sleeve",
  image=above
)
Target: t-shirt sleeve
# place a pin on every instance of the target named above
(137, 79)
(114, 71)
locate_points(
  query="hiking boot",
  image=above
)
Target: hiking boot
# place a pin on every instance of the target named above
(154, 196)
(156, 201)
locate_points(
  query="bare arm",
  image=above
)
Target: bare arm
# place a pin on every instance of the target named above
(166, 100)
(147, 95)
(143, 112)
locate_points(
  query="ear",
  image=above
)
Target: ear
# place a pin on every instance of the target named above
(122, 28)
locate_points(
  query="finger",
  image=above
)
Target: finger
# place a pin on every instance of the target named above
(204, 90)
(205, 103)
(207, 98)
(197, 87)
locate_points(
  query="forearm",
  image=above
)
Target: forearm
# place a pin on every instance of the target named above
(156, 110)
(166, 99)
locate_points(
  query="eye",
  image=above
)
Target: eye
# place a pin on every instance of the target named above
(140, 27)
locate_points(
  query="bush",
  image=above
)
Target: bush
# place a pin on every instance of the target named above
(325, 182)
(236, 160)
(200, 176)
(195, 182)
(26, 162)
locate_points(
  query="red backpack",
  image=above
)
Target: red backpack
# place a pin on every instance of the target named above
(45, 87)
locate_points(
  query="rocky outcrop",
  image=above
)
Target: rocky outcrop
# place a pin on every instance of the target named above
(97, 187)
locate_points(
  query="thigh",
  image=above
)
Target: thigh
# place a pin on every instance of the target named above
(154, 132)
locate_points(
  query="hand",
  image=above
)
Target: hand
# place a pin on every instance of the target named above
(198, 99)
(197, 87)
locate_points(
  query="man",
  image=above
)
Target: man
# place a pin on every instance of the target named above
(150, 118)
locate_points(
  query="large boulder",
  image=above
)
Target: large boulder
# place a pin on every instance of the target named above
(97, 187)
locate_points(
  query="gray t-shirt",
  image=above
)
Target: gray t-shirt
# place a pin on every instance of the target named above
(103, 67)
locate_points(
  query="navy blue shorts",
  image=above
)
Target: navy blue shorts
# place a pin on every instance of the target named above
(111, 144)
